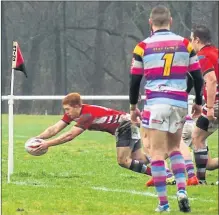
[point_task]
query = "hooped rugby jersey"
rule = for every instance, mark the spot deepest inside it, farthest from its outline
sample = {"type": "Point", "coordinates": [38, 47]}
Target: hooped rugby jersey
{"type": "Point", "coordinates": [164, 59]}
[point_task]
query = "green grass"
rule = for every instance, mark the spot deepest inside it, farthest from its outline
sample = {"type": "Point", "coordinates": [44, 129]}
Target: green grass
{"type": "Point", "coordinates": [68, 179]}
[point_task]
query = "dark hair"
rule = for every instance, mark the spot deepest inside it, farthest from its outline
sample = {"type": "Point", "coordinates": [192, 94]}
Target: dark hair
{"type": "Point", "coordinates": [160, 16]}
{"type": "Point", "coordinates": [202, 32]}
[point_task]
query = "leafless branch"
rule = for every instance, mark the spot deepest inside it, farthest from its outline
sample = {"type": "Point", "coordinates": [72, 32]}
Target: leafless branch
{"type": "Point", "coordinates": [180, 17]}
{"type": "Point", "coordinates": [108, 31]}
{"type": "Point", "coordinates": [88, 57]}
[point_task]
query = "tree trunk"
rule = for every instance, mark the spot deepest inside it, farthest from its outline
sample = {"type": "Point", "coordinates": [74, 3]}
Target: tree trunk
{"type": "Point", "coordinates": [98, 79]}
{"type": "Point", "coordinates": [4, 59]}
{"type": "Point", "coordinates": [188, 18]}
{"type": "Point", "coordinates": [214, 24]}
{"type": "Point", "coordinates": [125, 64]}
{"type": "Point", "coordinates": [65, 69]}
{"type": "Point", "coordinates": [32, 70]}
{"type": "Point", "coordinates": [58, 73]}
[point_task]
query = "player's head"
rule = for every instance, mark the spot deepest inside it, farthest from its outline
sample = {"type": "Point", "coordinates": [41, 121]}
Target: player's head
{"type": "Point", "coordinates": [160, 18]}
{"type": "Point", "coordinates": [200, 36]}
{"type": "Point", "coordinates": [72, 104]}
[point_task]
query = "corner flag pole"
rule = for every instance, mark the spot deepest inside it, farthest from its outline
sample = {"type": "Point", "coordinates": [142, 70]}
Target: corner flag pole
{"type": "Point", "coordinates": [17, 64]}
{"type": "Point", "coordinates": [11, 116]}
{"type": "Point", "coordinates": [11, 129]}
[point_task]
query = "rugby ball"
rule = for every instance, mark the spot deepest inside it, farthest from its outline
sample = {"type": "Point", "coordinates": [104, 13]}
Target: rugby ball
{"type": "Point", "coordinates": [31, 145]}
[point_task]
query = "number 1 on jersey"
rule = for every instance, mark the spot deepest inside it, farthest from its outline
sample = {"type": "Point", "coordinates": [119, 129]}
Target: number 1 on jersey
{"type": "Point", "coordinates": [168, 57]}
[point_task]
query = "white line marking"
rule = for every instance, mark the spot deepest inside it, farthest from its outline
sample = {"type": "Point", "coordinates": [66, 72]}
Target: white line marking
{"type": "Point", "coordinates": [21, 136]}
{"type": "Point", "coordinates": [32, 183]}
{"type": "Point", "coordinates": [18, 136]}
{"type": "Point", "coordinates": [133, 192]}
{"type": "Point", "coordinates": [143, 193]}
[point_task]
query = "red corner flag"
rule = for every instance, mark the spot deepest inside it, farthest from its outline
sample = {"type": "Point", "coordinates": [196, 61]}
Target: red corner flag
{"type": "Point", "coordinates": [17, 59]}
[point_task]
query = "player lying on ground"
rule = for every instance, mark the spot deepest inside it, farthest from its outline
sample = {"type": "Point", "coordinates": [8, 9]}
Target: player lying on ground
{"type": "Point", "coordinates": [207, 123]}
{"type": "Point", "coordinates": [96, 118]}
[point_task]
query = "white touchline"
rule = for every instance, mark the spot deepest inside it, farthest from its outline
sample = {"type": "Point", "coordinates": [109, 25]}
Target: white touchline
{"type": "Point", "coordinates": [143, 193]}
{"type": "Point", "coordinates": [21, 136]}
{"type": "Point", "coordinates": [133, 192]}
{"type": "Point", "coordinates": [31, 183]}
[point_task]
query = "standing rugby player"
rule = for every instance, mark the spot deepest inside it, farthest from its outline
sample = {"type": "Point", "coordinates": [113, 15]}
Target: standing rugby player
{"type": "Point", "coordinates": [164, 59]}
{"type": "Point", "coordinates": [207, 123]}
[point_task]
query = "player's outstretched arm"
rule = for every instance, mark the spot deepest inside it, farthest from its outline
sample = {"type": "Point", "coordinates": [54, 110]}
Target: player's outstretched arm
{"type": "Point", "coordinates": [52, 130]}
{"type": "Point", "coordinates": [63, 138]}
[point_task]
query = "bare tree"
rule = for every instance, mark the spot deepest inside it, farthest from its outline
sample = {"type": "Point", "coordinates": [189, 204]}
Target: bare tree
{"type": "Point", "coordinates": [214, 22]}
{"type": "Point", "coordinates": [98, 81]}
{"type": "Point", "coordinates": [84, 46]}
{"type": "Point", "coordinates": [58, 72]}
{"type": "Point", "coordinates": [4, 55]}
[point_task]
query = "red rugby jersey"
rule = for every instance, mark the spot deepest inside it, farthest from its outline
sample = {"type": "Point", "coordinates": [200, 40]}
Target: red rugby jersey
{"type": "Point", "coordinates": [208, 58]}
{"type": "Point", "coordinates": [98, 118]}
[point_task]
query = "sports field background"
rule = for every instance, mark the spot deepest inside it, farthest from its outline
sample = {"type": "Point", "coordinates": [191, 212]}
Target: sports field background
{"type": "Point", "coordinates": [82, 177]}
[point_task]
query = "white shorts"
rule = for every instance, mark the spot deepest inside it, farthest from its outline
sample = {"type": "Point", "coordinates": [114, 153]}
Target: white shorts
{"type": "Point", "coordinates": [163, 117]}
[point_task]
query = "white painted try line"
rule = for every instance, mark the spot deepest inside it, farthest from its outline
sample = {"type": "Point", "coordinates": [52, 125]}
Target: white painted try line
{"type": "Point", "coordinates": [31, 183]}
{"type": "Point", "coordinates": [133, 192]}
{"type": "Point", "coordinates": [22, 136]}
{"type": "Point", "coordinates": [18, 136]}
{"type": "Point", "coordinates": [143, 193]}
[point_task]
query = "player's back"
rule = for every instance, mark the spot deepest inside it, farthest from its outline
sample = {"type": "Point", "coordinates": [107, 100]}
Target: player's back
{"type": "Point", "coordinates": [98, 118]}
{"type": "Point", "coordinates": [211, 53]}
{"type": "Point", "coordinates": [208, 58]}
{"type": "Point", "coordinates": [167, 60]}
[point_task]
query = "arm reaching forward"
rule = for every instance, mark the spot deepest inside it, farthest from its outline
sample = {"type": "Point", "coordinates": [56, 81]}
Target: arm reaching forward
{"type": "Point", "coordinates": [63, 138]}
{"type": "Point", "coordinates": [53, 130]}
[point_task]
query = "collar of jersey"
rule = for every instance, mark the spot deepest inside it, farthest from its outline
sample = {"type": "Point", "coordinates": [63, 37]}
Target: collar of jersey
{"type": "Point", "coordinates": [207, 45]}
{"type": "Point", "coordinates": [162, 31]}
{"type": "Point", "coordinates": [82, 107]}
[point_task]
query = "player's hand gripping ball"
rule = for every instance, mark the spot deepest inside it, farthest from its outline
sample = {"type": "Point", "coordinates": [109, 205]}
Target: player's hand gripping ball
{"type": "Point", "coordinates": [31, 146]}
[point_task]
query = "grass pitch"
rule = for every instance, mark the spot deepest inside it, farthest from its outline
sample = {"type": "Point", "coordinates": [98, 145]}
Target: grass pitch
{"type": "Point", "coordinates": [82, 177]}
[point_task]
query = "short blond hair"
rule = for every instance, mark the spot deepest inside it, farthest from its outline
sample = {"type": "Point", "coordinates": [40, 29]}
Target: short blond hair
{"type": "Point", "coordinates": [72, 99]}
{"type": "Point", "coordinates": [160, 16]}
